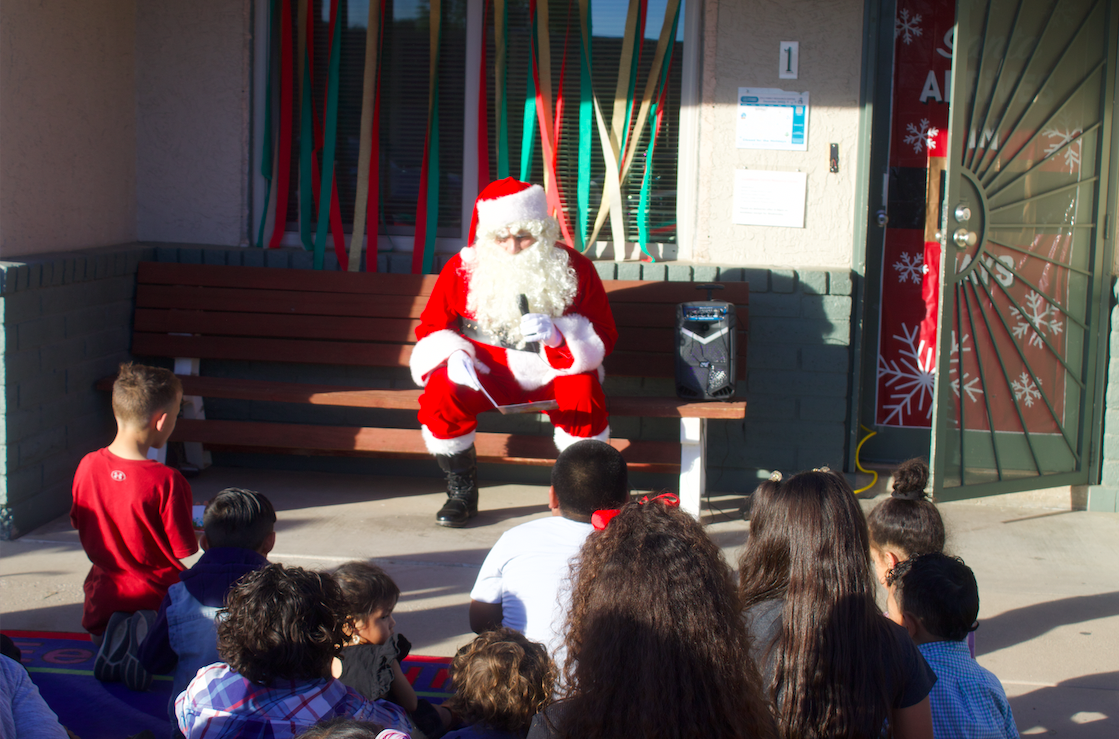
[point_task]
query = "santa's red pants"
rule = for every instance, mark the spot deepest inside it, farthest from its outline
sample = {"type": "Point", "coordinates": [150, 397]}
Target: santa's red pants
{"type": "Point", "coordinates": [450, 411]}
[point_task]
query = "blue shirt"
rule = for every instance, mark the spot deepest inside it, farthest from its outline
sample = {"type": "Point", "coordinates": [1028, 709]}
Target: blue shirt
{"type": "Point", "coordinates": [968, 701]}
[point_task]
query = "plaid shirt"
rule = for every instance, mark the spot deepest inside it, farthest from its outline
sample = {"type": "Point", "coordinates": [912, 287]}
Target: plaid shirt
{"type": "Point", "coordinates": [220, 704]}
{"type": "Point", "coordinates": [968, 701]}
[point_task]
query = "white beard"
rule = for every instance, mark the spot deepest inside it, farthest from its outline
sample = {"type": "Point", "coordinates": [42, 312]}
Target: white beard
{"type": "Point", "coordinates": [542, 273]}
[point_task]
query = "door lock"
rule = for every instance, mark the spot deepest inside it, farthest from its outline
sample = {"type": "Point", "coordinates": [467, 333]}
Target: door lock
{"type": "Point", "coordinates": [882, 218]}
{"type": "Point", "coordinates": [962, 213]}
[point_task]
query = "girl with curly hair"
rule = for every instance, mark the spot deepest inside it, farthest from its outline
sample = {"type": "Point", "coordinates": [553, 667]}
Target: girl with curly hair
{"type": "Point", "coordinates": [277, 635]}
{"type": "Point", "coordinates": [834, 666]}
{"type": "Point", "coordinates": [502, 679]}
{"type": "Point", "coordinates": [656, 644]}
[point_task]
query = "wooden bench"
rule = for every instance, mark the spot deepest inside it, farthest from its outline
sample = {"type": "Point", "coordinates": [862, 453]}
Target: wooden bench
{"type": "Point", "coordinates": [204, 312]}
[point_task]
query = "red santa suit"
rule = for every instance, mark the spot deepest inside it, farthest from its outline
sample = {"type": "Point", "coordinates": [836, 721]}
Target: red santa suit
{"type": "Point", "coordinates": [570, 373]}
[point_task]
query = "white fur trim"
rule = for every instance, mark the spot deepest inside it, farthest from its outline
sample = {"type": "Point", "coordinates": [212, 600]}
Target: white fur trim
{"type": "Point", "coordinates": [530, 204]}
{"type": "Point", "coordinates": [587, 349]}
{"type": "Point", "coordinates": [433, 350]}
{"type": "Point", "coordinates": [446, 447]}
{"type": "Point", "coordinates": [531, 370]}
{"type": "Point", "coordinates": [564, 439]}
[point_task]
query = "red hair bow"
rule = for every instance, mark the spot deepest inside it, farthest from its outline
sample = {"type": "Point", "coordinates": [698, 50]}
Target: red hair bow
{"type": "Point", "coordinates": [600, 519]}
{"type": "Point", "coordinates": [669, 499]}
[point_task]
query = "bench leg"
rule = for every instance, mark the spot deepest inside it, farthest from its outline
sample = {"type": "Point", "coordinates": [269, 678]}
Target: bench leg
{"type": "Point", "coordinates": [693, 463]}
{"type": "Point", "coordinates": [193, 408]}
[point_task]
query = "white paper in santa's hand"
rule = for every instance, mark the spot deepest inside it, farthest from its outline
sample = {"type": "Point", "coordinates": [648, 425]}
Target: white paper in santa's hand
{"type": "Point", "coordinates": [536, 406]}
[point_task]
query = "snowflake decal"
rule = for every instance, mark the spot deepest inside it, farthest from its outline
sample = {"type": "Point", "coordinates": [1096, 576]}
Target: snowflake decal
{"type": "Point", "coordinates": [921, 137]}
{"type": "Point", "coordinates": [907, 27]}
{"type": "Point", "coordinates": [1038, 319]}
{"type": "Point", "coordinates": [1025, 390]}
{"type": "Point", "coordinates": [910, 267]}
{"type": "Point", "coordinates": [1061, 138]}
{"type": "Point", "coordinates": [913, 377]}
{"type": "Point", "coordinates": [968, 384]}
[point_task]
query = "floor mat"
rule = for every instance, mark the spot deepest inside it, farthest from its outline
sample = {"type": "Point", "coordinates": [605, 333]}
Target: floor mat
{"type": "Point", "coordinates": [61, 665]}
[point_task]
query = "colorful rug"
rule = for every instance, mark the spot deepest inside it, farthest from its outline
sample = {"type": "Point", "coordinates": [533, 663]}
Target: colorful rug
{"type": "Point", "coordinates": [61, 665]}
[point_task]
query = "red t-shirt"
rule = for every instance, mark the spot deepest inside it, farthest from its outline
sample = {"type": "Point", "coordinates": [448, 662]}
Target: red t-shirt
{"type": "Point", "coordinates": [134, 521]}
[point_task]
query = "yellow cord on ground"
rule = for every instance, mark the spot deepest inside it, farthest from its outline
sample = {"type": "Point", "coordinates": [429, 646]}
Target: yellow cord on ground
{"type": "Point", "coordinates": [859, 464]}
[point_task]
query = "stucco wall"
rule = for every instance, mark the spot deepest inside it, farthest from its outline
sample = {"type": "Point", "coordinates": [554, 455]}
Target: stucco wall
{"type": "Point", "coordinates": [741, 44]}
{"type": "Point", "coordinates": [67, 125]}
{"type": "Point", "coordinates": [192, 120]}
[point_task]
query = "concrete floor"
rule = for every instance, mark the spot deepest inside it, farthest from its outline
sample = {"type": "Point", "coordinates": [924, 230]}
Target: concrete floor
{"type": "Point", "coordinates": [1049, 579]}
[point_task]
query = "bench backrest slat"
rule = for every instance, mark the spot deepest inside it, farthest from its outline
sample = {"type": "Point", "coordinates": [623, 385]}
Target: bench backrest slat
{"type": "Point", "coordinates": [270, 278]}
{"type": "Point", "coordinates": [363, 319]}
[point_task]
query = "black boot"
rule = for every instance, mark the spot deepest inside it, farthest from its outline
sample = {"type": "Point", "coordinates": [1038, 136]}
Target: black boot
{"type": "Point", "coordinates": [462, 488]}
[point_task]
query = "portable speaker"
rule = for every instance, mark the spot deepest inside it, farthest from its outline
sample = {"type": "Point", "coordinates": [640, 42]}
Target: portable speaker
{"type": "Point", "coordinates": [705, 350]}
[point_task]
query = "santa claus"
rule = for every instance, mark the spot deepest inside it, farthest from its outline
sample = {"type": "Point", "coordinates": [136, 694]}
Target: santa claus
{"type": "Point", "coordinates": [516, 318]}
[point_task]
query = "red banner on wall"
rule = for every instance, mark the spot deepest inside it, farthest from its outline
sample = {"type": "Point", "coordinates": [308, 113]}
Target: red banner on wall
{"type": "Point", "coordinates": [907, 328]}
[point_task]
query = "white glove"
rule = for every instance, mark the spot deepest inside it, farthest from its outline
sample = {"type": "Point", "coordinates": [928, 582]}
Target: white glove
{"type": "Point", "coordinates": [540, 327]}
{"type": "Point", "coordinates": [460, 370]}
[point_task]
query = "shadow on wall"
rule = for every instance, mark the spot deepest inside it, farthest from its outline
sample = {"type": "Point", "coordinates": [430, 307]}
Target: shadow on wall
{"type": "Point", "coordinates": [798, 379]}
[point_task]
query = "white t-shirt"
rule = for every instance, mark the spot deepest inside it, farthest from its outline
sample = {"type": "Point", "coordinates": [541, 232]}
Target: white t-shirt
{"type": "Point", "coordinates": [528, 573]}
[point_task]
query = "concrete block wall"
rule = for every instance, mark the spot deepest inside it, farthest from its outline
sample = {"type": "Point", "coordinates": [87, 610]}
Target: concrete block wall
{"type": "Point", "coordinates": [66, 322]}
{"type": "Point", "coordinates": [1105, 496]}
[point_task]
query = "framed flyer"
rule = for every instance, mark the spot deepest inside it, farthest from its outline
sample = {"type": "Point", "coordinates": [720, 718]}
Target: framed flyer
{"type": "Point", "coordinates": [769, 118]}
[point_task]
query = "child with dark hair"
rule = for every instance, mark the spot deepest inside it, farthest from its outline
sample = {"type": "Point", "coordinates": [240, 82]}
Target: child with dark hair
{"type": "Point", "coordinates": [936, 599]}
{"type": "Point", "coordinates": [522, 583]}
{"type": "Point", "coordinates": [370, 661]}
{"type": "Point", "coordinates": [832, 664]}
{"type": "Point", "coordinates": [502, 680]}
{"type": "Point", "coordinates": [239, 532]}
{"type": "Point", "coordinates": [278, 633]}
{"type": "Point", "coordinates": [133, 517]}
{"type": "Point", "coordinates": [656, 646]}
{"type": "Point", "coordinates": [906, 524]}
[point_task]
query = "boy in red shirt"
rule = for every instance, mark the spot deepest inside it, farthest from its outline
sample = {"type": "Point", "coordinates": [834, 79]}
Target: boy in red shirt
{"type": "Point", "coordinates": [133, 515]}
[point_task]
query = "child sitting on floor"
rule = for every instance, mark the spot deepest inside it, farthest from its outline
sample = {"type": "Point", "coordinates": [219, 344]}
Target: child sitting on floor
{"type": "Point", "coordinates": [239, 532]}
{"type": "Point", "coordinates": [907, 523]}
{"type": "Point", "coordinates": [502, 679]}
{"type": "Point", "coordinates": [133, 517]}
{"type": "Point", "coordinates": [370, 661]}
{"type": "Point", "coordinates": [936, 599]}
{"type": "Point", "coordinates": [277, 636]}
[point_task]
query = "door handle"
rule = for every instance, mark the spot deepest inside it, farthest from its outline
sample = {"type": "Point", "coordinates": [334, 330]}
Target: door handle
{"type": "Point", "coordinates": [964, 238]}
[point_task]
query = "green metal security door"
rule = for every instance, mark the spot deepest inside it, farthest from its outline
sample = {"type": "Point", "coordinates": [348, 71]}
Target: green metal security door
{"type": "Point", "coordinates": [1024, 277]}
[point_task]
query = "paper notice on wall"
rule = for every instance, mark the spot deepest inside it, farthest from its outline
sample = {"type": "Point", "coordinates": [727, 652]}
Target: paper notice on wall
{"type": "Point", "coordinates": [769, 198]}
{"type": "Point", "coordinates": [769, 118]}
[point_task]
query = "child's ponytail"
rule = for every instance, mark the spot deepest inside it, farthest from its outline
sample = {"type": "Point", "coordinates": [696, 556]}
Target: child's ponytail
{"type": "Point", "coordinates": [908, 522]}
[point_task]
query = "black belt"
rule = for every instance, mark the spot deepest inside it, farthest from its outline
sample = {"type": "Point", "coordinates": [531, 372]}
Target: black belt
{"type": "Point", "coordinates": [473, 331]}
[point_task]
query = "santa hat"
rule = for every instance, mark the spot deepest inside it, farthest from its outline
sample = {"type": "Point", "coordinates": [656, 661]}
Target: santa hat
{"type": "Point", "coordinates": [507, 201]}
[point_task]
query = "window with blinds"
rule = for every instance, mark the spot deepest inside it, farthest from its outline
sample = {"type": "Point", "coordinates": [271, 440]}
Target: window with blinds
{"type": "Point", "coordinates": [608, 18]}
{"type": "Point", "coordinates": [404, 93]}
